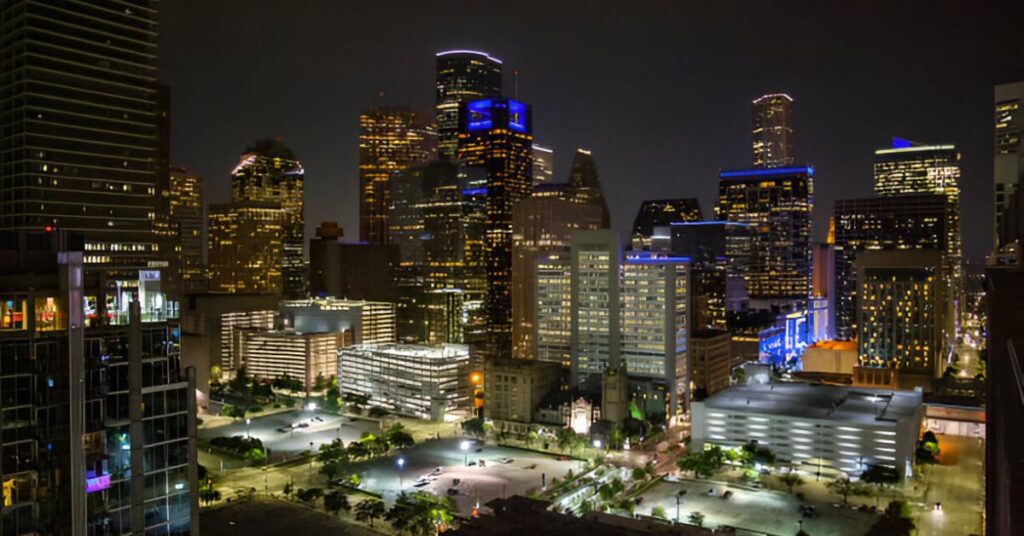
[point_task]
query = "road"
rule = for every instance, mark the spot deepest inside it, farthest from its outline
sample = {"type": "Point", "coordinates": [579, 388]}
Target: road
{"type": "Point", "coordinates": [956, 483]}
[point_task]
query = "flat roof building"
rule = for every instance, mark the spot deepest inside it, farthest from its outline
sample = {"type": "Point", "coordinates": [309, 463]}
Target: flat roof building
{"type": "Point", "coordinates": [826, 429]}
{"type": "Point", "coordinates": [303, 356]}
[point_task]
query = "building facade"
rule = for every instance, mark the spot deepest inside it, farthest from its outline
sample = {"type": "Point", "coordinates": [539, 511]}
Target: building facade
{"type": "Point", "coordinates": [1009, 158]}
{"type": "Point", "coordinates": [710, 361]}
{"type": "Point", "coordinates": [514, 388]}
{"type": "Point", "coordinates": [462, 75]}
{"type": "Point", "coordinates": [307, 357]}
{"type": "Point", "coordinates": [585, 183]}
{"type": "Point", "coordinates": [594, 304]}
{"type": "Point", "coordinates": [773, 131]}
{"type": "Point", "coordinates": [543, 164]}
{"type": "Point", "coordinates": [246, 248]}
{"type": "Point", "coordinates": [184, 203]}
{"type": "Point", "coordinates": [661, 213]}
{"type": "Point", "coordinates": [552, 339]}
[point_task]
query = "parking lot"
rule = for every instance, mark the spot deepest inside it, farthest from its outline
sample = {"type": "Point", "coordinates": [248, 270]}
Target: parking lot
{"type": "Point", "coordinates": [760, 511]}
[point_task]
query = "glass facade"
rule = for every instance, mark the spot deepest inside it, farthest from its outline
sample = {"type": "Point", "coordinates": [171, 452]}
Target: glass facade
{"type": "Point", "coordinates": [773, 130]}
{"type": "Point", "coordinates": [462, 75]}
{"type": "Point", "coordinates": [246, 248]}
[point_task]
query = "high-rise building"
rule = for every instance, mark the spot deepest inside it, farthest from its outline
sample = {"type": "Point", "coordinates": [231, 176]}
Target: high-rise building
{"type": "Point", "coordinates": [78, 126]}
{"type": "Point", "coordinates": [710, 358]}
{"type": "Point", "coordinates": [880, 223]}
{"type": "Point", "coordinates": [914, 168]}
{"type": "Point", "coordinates": [269, 172]}
{"type": "Point", "coordinates": [245, 247]}
{"type": "Point", "coordinates": [552, 338]}
{"type": "Point", "coordinates": [496, 134]}
{"type": "Point", "coordinates": [773, 130]}
{"type": "Point", "coordinates": [543, 165]}
{"type": "Point", "coordinates": [661, 213]}
{"type": "Point", "coordinates": [1009, 158]}
{"type": "Point", "coordinates": [777, 205]}
{"type": "Point", "coordinates": [594, 304]}
{"type": "Point", "coordinates": [655, 328]}
{"type": "Point", "coordinates": [716, 280]}
{"type": "Point", "coordinates": [586, 183]}
{"type": "Point", "coordinates": [84, 419]}
{"type": "Point", "coordinates": [823, 290]}
{"type": "Point", "coordinates": [541, 225]}
{"type": "Point", "coordinates": [183, 202]}
{"type": "Point", "coordinates": [390, 140]}
{"type": "Point", "coordinates": [902, 320]}
{"type": "Point", "coordinates": [358, 271]}
{"type": "Point", "coordinates": [462, 75]}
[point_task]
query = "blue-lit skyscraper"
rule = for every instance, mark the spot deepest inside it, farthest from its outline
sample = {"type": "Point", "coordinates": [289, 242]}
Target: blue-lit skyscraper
{"type": "Point", "coordinates": [462, 75]}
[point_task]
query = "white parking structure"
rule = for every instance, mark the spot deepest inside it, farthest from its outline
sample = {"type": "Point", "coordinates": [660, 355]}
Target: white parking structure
{"type": "Point", "coordinates": [825, 429]}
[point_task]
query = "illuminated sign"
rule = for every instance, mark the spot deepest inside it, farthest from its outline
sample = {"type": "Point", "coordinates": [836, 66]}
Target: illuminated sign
{"type": "Point", "coordinates": [517, 116]}
{"type": "Point", "coordinates": [479, 115]}
{"type": "Point", "coordinates": [149, 275]}
{"type": "Point", "coordinates": [98, 483]}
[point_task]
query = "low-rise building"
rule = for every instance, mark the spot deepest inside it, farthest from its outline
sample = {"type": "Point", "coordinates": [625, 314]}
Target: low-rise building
{"type": "Point", "coordinates": [514, 388]}
{"type": "Point", "coordinates": [710, 361]}
{"type": "Point", "coordinates": [830, 357]}
{"type": "Point", "coordinates": [405, 379]}
{"type": "Point", "coordinates": [819, 429]}
{"type": "Point", "coordinates": [303, 356]}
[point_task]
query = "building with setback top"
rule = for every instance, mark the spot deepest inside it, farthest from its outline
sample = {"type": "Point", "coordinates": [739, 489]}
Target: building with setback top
{"type": "Point", "coordinates": [462, 75]}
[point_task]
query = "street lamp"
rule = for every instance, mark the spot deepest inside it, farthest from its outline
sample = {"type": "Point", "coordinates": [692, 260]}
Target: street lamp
{"type": "Point", "coordinates": [247, 421]}
{"type": "Point", "coordinates": [465, 452]}
{"type": "Point", "coordinates": [679, 495]}
{"type": "Point", "coordinates": [401, 466]}
{"type": "Point", "coordinates": [311, 462]}
{"type": "Point", "coordinates": [597, 444]}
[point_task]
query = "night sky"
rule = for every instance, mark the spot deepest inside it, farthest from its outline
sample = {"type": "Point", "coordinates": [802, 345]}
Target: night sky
{"type": "Point", "coordinates": [662, 94]}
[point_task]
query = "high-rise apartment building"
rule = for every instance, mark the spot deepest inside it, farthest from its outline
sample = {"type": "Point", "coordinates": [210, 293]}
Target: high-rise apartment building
{"type": "Point", "coordinates": [543, 165]}
{"type": "Point", "coordinates": [594, 303]}
{"type": "Point", "coordinates": [390, 140]}
{"type": "Point", "coordinates": [902, 318]}
{"type": "Point", "coordinates": [78, 126]}
{"type": "Point", "coordinates": [661, 213]}
{"type": "Point", "coordinates": [541, 225]}
{"type": "Point", "coordinates": [1009, 156]}
{"type": "Point", "coordinates": [776, 204]}
{"type": "Point", "coordinates": [245, 247]}
{"type": "Point", "coordinates": [182, 204]}
{"type": "Point", "coordinates": [586, 183]}
{"type": "Point", "coordinates": [496, 134]}
{"type": "Point", "coordinates": [880, 223]}
{"type": "Point", "coordinates": [462, 75]}
{"type": "Point", "coordinates": [773, 130]}
{"type": "Point", "coordinates": [268, 172]}
{"type": "Point", "coordinates": [913, 168]}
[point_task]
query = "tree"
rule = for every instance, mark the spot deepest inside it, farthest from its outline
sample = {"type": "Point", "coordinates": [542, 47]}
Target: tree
{"type": "Point", "coordinates": [880, 476]}
{"type": "Point", "coordinates": [419, 514]}
{"type": "Point", "coordinates": [335, 501]}
{"type": "Point", "coordinates": [616, 437]}
{"type": "Point", "coordinates": [927, 448]}
{"type": "Point", "coordinates": [754, 454]}
{"type": "Point", "coordinates": [309, 495]}
{"type": "Point", "coordinates": [473, 427]}
{"type": "Point", "coordinates": [564, 438]}
{"type": "Point", "coordinates": [703, 464]}
{"type": "Point", "coordinates": [377, 412]}
{"type": "Point", "coordinates": [639, 473]}
{"type": "Point", "coordinates": [397, 436]}
{"type": "Point", "coordinates": [357, 449]}
{"type": "Point", "coordinates": [240, 383]}
{"type": "Point", "coordinates": [659, 512]}
{"type": "Point", "coordinates": [332, 399]}
{"type": "Point", "coordinates": [844, 487]}
{"type": "Point", "coordinates": [369, 510]}
{"type": "Point", "coordinates": [531, 437]}
{"type": "Point", "coordinates": [255, 455]}
{"type": "Point", "coordinates": [696, 518]}
{"type": "Point", "coordinates": [791, 480]}
{"type": "Point", "coordinates": [894, 521]}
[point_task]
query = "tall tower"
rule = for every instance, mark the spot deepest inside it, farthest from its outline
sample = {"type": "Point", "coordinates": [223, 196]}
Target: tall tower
{"type": "Point", "coordinates": [78, 126]}
{"type": "Point", "coordinates": [1009, 158]}
{"type": "Point", "coordinates": [586, 184]}
{"type": "Point", "coordinates": [915, 168]}
{"type": "Point", "coordinates": [390, 140]}
{"type": "Point", "coordinates": [543, 165]}
{"type": "Point", "coordinates": [773, 129]}
{"type": "Point", "coordinates": [268, 172]}
{"type": "Point", "coordinates": [462, 75]}
{"type": "Point", "coordinates": [497, 135]}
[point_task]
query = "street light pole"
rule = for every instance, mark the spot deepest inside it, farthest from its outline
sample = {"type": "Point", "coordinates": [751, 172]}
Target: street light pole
{"type": "Point", "coordinates": [401, 466]}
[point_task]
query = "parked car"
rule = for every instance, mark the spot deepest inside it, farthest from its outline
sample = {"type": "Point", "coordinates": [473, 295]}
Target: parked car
{"type": "Point", "coordinates": [711, 492]}
{"type": "Point", "coordinates": [505, 460]}
{"type": "Point", "coordinates": [420, 484]}
{"type": "Point", "coordinates": [726, 495]}
{"type": "Point", "coordinates": [284, 429]}
{"type": "Point", "coordinates": [456, 481]}
{"type": "Point", "coordinates": [471, 464]}
{"type": "Point", "coordinates": [452, 491]}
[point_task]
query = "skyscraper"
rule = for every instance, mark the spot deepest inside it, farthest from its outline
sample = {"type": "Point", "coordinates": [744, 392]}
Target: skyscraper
{"type": "Point", "coordinates": [772, 131]}
{"type": "Point", "coordinates": [390, 140]}
{"type": "Point", "coordinates": [497, 135]}
{"type": "Point", "coordinates": [777, 205]}
{"type": "Point", "coordinates": [541, 225]}
{"type": "Point", "coordinates": [462, 75]}
{"type": "Point", "coordinates": [880, 223]}
{"type": "Point", "coordinates": [184, 204]}
{"type": "Point", "coordinates": [78, 126]}
{"type": "Point", "coordinates": [268, 172]}
{"type": "Point", "coordinates": [543, 165]}
{"type": "Point", "coordinates": [245, 247]}
{"type": "Point", "coordinates": [595, 280]}
{"type": "Point", "coordinates": [662, 213]}
{"type": "Point", "coordinates": [586, 184]}
{"type": "Point", "coordinates": [1009, 158]}
{"type": "Point", "coordinates": [914, 168]}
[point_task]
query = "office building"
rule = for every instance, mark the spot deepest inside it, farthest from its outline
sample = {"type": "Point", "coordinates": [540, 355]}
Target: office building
{"type": "Point", "coordinates": [78, 127]}
{"type": "Point", "coordinates": [541, 225]}
{"type": "Point", "coordinates": [93, 442]}
{"type": "Point", "coordinates": [1004, 468]}
{"type": "Point", "coordinates": [269, 172]}
{"type": "Point", "coordinates": [409, 380]}
{"type": "Point", "coordinates": [232, 325]}
{"type": "Point", "coordinates": [357, 271]}
{"type": "Point", "coordinates": [654, 330]}
{"type": "Point", "coordinates": [913, 168]}
{"type": "Point", "coordinates": [552, 339]}
{"type": "Point", "coordinates": [390, 140]}
{"type": "Point", "coordinates": [710, 362]}
{"type": "Point", "coordinates": [514, 389]}
{"type": "Point", "coordinates": [773, 131]}
{"type": "Point", "coordinates": [307, 357]}
{"type": "Point", "coordinates": [245, 247]}
{"type": "Point", "coordinates": [823, 288]}
{"type": "Point", "coordinates": [497, 135]}
{"type": "Point", "coordinates": [543, 165]}
{"type": "Point", "coordinates": [184, 202]}
{"type": "Point", "coordinates": [777, 204]}
{"type": "Point", "coordinates": [1009, 158]}
{"type": "Point", "coordinates": [815, 428]}
{"type": "Point", "coordinates": [903, 321]}
{"type": "Point", "coordinates": [462, 75]}
{"type": "Point", "coordinates": [594, 304]}
{"type": "Point", "coordinates": [585, 183]}
{"type": "Point", "coordinates": [368, 322]}
{"type": "Point", "coordinates": [904, 222]}
{"type": "Point", "coordinates": [719, 253]}
{"type": "Point", "coordinates": [661, 213]}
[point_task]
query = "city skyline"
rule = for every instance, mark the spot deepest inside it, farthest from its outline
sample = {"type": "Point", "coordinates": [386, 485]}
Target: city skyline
{"type": "Point", "coordinates": [674, 150]}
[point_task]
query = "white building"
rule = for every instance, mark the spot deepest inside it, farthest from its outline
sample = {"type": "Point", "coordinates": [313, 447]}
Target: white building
{"type": "Point", "coordinates": [553, 327]}
{"type": "Point", "coordinates": [412, 380]}
{"type": "Point", "coordinates": [302, 356]}
{"type": "Point", "coordinates": [825, 429]}
{"type": "Point", "coordinates": [595, 303]}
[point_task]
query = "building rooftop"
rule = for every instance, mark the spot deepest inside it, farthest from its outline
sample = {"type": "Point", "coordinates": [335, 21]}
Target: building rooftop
{"type": "Point", "coordinates": [818, 401]}
{"type": "Point", "coordinates": [835, 345]}
{"type": "Point", "coordinates": [444, 351]}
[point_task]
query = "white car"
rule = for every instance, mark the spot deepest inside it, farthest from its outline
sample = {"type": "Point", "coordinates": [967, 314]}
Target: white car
{"type": "Point", "coordinates": [505, 461]}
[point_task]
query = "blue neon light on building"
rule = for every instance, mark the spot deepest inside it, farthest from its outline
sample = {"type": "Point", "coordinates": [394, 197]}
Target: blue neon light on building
{"type": "Point", "coordinates": [768, 172]}
{"type": "Point", "coordinates": [475, 191]}
{"type": "Point", "coordinates": [516, 116]}
{"type": "Point", "coordinates": [479, 114]}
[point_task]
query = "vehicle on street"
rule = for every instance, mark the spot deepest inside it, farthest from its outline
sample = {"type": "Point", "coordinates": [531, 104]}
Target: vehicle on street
{"type": "Point", "coordinates": [471, 464]}
{"type": "Point", "coordinates": [420, 484]}
{"type": "Point", "coordinates": [726, 495]}
{"type": "Point", "coordinates": [505, 460]}
{"type": "Point", "coordinates": [284, 429]}
{"type": "Point", "coordinates": [452, 491]}
{"type": "Point", "coordinates": [711, 492]}
{"type": "Point", "coordinates": [302, 425]}
{"type": "Point", "coordinates": [456, 481]}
